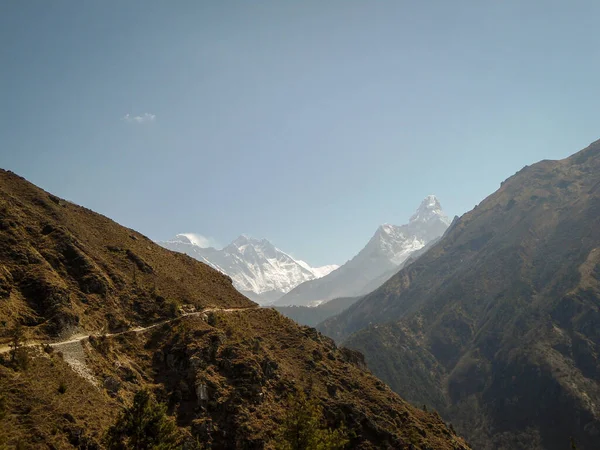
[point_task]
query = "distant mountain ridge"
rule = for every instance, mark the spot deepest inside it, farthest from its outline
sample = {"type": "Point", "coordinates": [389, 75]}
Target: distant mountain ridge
{"type": "Point", "coordinates": [313, 316]}
{"type": "Point", "coordinates": [258, 269]}
{"type": "Point", "coordinates": [382, 257]}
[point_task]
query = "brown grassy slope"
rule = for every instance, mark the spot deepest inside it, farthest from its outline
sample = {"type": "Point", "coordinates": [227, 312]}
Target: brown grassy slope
{"type": "Point", "coordinates": [250, 362]}
{"type": "Point", "coordinates": [36, 415]}
{"type": "Point", "coordinates": [63, 266]}
{"type": "Point", "coordinates": [498, 325]}
{"type": "Point", "coordinates": [66, 267]}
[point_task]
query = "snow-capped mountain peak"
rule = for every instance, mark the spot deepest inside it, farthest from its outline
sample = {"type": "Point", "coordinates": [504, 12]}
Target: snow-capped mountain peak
{"type": "Point", "coordinates": [183, 238]}
{"type": "Point", "coordinates": [392, 243]}
{"type": "Point", "coordinates": [258, 268]}
{"type": "Point", "coordinates": [193, 238]}
{"type": "Point", "coordinates": [318, 271]}
{"type": "Point", "coordinates": [384, 254]}
{"type": "Point", "coordinates": [429, 209]}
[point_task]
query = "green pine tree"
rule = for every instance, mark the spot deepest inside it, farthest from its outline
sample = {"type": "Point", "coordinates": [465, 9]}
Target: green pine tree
{"type": "Point", "coordinates": [302, 428]}
{"type": "Point", "coordinates": [144, 426]}
{"type": "Point", "coordinates": [17, 338]}
{"type": "Point", "coordinates": [18, 353]}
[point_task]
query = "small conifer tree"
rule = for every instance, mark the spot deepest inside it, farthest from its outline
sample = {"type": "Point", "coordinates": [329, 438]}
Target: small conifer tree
{"type": "Point", "coordinates": [18, 353]}
{"type": "Point", "coordinates": [17, 338]}
{"type": "Point", "coordinates": [143, 426]}
{"type": "Point", "coordinates": [302, 428]}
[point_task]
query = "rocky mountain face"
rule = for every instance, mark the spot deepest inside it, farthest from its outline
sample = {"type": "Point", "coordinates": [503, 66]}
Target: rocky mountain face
{"type": "Point", "coordinates": [384, 255]}
{"type": "Point", "coordinates": [124, 314]}
{"type": "Point", "coordinates": [259, 270]}
{"type": "Point", "coordinates": [497, 326]}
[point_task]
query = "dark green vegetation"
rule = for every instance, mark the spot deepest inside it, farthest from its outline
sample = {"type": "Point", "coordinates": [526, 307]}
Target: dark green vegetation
{"type": "Point", "coordinates": [313, 316]}
{"type": "Point", "coordinates": [497, 326]}
{"type": "Point", "coordinates": [144, 425]}
{"type": "Point", "coordinates": [225, 372]}
{"type": "Point", "coordinates": [302, 427]}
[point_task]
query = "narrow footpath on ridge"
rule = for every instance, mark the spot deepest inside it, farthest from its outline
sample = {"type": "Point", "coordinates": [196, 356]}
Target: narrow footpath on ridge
{"type": "Point", "coordinates": [81, 337]}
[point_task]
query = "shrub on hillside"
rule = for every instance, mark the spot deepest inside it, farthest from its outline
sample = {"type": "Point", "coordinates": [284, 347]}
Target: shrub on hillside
{"type": "Point", "coordinates": [303, 427]}
{"type": "Point", "coordinates": [145, 425]}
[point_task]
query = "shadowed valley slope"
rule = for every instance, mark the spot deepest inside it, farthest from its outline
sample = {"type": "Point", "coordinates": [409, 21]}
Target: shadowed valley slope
{"type": "Point", "coordinates": [498, 324]}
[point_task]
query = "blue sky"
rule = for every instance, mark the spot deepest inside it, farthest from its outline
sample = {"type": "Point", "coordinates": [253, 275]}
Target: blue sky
{"type": "Point", "coordinates": [308, 123]}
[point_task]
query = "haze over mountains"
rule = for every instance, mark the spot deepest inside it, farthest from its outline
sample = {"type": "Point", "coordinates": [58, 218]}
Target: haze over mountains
{"type": "Point", "coordinates": [384, 254]}
{"type": "Point", "coordinates": [497, 326]}
{"type": "Point", "coordinates": [268, 275]}
{"type": "Point", "coordinates": [258, 269]}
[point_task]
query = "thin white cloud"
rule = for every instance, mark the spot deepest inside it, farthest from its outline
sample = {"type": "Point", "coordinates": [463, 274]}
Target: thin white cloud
{"type": "Point", "coordinates": [144, 118]}
{"type": "Point", "coordinates": [201, 241]}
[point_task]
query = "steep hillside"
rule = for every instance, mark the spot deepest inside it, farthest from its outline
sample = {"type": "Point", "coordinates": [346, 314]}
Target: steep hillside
{"type": "Point", "coordinates": [384, 254]}
{"type": "Point", "coordinates": [64, 267]}
{"type": "Point", "coordinates": [258, 269]}
{"type": "Point", "coordinates": [498, 324]}
{"type": "Point", "coordinates": [224, 367]}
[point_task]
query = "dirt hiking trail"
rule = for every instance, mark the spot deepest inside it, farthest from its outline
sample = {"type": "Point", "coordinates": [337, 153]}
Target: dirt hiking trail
{"type": "Point", "coordinates": [78, 338]}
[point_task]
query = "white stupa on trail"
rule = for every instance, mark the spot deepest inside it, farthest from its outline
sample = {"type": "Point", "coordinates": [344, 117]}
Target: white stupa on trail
{"type": "Point", "coordinates": [383, 256]}
{"type": "Point", "coordinates": [258, 269]}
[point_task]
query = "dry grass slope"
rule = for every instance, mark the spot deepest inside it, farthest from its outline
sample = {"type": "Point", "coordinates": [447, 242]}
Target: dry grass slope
{"type": "Point", "coordinates": [64, 267]}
